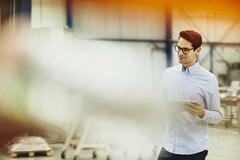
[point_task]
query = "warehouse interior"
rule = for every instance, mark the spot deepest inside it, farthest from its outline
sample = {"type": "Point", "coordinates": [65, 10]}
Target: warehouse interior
{"type": "Point", "coordinates": [85, 75]}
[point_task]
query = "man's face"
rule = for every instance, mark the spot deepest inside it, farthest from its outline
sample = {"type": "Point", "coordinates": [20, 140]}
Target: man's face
{"type": "Point", "coordinates": [186, 54]}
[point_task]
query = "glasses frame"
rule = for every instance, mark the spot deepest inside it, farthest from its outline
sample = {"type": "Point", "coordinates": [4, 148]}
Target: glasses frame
{"type": "Point", "coordinates": [184, 50]}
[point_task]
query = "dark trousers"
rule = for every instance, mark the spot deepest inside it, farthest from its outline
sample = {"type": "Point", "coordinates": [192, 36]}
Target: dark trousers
{"type": "Point", "coordinates": [165, 155]}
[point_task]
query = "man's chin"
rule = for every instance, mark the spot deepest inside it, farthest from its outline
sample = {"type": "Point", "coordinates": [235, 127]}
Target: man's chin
{"type": "Point", "coordinates": [181, 61]}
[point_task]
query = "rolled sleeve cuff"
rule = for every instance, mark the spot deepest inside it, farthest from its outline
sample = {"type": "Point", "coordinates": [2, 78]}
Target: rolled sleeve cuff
{"type": "Point", "coordinates": [213, 117]}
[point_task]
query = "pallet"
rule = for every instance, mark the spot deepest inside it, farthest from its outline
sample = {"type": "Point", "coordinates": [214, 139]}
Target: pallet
{"type": "Point", "coordinates": [31, 154]}
{"type": "Point", "coordinates": [29, 147]}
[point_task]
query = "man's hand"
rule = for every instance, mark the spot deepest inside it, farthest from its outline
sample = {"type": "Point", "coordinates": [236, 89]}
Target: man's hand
{"type": "Point", "coordinates": [195, 109]}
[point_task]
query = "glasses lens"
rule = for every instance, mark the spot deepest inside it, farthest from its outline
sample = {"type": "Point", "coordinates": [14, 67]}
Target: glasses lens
{"type": "Point", "coordinates": [177, 49]}
{"type": "Point", "coordinates": [185, 50]}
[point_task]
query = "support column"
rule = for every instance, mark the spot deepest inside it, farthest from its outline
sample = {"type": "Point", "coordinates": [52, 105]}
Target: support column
{"type": "Point", "coordinates": [169, 36]}
{"type": "Point", "coordinates": [211, 57]}
{"type": "Point", "coordinates": [69, 13]}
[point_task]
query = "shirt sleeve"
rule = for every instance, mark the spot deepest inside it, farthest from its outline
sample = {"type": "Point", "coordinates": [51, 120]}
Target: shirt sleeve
{"type": "Point", "coordinates": [213, 113]}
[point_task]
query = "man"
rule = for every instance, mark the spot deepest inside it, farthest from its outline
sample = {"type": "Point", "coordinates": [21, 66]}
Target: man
{"type": "Point", "coordinates": [187, 132]}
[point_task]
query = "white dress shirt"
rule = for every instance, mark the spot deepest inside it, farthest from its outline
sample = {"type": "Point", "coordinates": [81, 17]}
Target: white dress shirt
{"type": "Point", "coordinates": [187, 134]}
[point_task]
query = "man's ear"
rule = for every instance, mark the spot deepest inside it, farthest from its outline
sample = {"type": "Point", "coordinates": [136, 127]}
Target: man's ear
{"type": "Point", "coordinates": [198, 49]}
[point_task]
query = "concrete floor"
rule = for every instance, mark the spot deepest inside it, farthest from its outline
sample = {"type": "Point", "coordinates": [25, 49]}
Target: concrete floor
{"type": "Point", "coordinates": [224, 145]}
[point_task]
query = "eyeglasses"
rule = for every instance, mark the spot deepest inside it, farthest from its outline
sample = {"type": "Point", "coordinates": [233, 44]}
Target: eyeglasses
{"type": "Point", "coordinates": [184, 50]}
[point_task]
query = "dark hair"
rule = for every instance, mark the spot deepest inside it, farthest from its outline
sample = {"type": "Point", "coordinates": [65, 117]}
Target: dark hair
{"type": "Point", "coordinates": [194, 37]}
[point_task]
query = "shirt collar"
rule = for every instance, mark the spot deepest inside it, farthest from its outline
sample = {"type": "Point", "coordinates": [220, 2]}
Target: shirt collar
{"type": "Point", "coordinates": [192, 68]}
